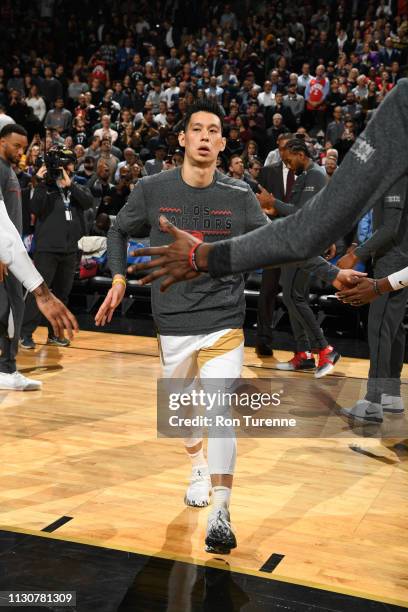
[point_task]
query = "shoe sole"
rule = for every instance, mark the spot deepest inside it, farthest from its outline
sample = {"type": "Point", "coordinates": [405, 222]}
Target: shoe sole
{"type": "Point", "coordinates": [57, 344]}
{"type": "Point", "coordinates": [220, 548]}
{"type": "Point", "coordinates": [27, 348]}
{"type": "Point", "coordinates": [283, 369]}
{"type": "Point", "coordinates": [194, 505]}
{"type": "Point", "coordinates": [327, 368]}
{"type": "Point", "coordinates": [361, 419]}
{"type": "Point", "coordinates": [392, 411]}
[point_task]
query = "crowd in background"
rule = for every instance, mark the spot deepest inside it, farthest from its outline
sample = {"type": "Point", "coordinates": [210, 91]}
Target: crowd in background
{"type": "Point", "coordinates": [113, 85]}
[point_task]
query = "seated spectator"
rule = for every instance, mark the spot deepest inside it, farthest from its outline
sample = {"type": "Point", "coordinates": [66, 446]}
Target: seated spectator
{"type": "Point", "coordinates": [275, 131]}
{"type": "Point", "coordinates": [36, 102]}
{"type": "Point", "coordinates": [59, 118]}
{"type": "Point", "coordinates": [335, 128]}
{"type": "Point", "coordinates": [330, 165]}
{"type": "Point", "coordinates": [76, 88]}
{"type": "Point", "coordinates": [234, 145]}
{"type": "Point", "coordinates": [266, 97]}
{"type": "Point", "coordinates": [87, 168]}
{"type": "Point", "coordinates": [296, 104]}
{"type": "Point", "coordinates": [106, 130]}
{"type": "Point", "coordinates": [130, 158]}
{"type": "Point", "coordinates": [254, 169]}
{"type": "Point", "coordinates": [250, 152]}
{"type": "Point", "coordinates": [107, 155]}
{"type": "Point", "coordinates": [154, 166]}
{"type": "Point", "coordinates": [94, 148]}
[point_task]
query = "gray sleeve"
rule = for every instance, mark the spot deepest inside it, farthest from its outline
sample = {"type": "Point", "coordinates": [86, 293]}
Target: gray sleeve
{"type": "Point", "coordinates": [393, 203]}
{"type": "Point", "coordinates": [285, 208]}
{"type": "Point", "coordinates": [131, 220]}
{"type": "Point", "coordinates": [254, 215]}
{"type": "Point", "coordinates": [320, 267]}
{"type": "Point", "coordinates": [375, 162]}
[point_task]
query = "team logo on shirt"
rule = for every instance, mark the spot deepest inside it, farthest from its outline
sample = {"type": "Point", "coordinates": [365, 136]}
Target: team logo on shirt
{"type": "Point", "coordinates": [362, 150]}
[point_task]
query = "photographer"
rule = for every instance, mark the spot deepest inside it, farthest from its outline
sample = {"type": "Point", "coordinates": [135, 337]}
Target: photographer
{"type": "Point", "coordinates": [58, 204]}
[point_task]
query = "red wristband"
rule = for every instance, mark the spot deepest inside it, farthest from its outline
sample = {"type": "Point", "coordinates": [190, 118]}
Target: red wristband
{"type": "Point", "coordinates": [192, 257]}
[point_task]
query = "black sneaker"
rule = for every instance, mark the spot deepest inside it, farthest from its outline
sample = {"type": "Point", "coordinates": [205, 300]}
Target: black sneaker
{"type": "Point", "coordinates": [263, 350]}
{"type": "Point", "coordinates": [54, 341]}
{"type": "Point", "coordinates": [220, 538]}
{"type": "Point", "coordinates": [26, 342]}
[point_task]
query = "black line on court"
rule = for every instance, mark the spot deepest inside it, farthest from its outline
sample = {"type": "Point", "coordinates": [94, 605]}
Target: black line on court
{"type": "Point", "coordinates": [271, 563]}
{"type": "Point", "coordinates": [57, 524]}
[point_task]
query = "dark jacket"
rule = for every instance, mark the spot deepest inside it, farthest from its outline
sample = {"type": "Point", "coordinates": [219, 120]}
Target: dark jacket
{"type": "Point", "coordinates": [53, 232]}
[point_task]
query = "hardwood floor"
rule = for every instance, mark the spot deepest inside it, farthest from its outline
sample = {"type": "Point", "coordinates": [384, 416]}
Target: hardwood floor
{"type": "Point", "coordinates": [86, 447]}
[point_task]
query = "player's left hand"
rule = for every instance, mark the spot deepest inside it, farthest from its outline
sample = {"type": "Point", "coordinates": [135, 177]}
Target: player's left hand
{"type": "Point", "coordinates": [347, 279]}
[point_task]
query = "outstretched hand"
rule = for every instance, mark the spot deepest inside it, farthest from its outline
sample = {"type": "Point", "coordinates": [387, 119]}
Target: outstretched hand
{"type": "Point", "coordinates": [111, 302]}
{"type": "Point", "coordinates": [55, 312]}
{"type": "Point", "coordinates": [171, 260]}
{"type": "Point", "coordinates": [347, 279]}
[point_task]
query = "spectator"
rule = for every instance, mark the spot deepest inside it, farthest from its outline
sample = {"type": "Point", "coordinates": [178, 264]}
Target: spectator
{"type": "Point", "coordinates": [106, 131]}
{"type": "Point", "coordinates": [59, 118]}
{"type": "Point", "coordinates": [51, 88]}
{"type": "Point", "coordinates": [4, 118]}
{"type": "Point", "coordinates": [107, 156]}
{"type": "Point", "coordinates": [36, 102]}
{"type": "Point", "coordinates": [154, 166]}
{"type": "Point", "coordinates": [335, 129]}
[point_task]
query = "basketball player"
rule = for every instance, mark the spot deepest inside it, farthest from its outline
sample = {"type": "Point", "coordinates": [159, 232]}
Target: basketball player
{"type": "Point", "coordinates": [386, 249]}
{"type": "Point", "coordinates": [14, 259]}
{"type": "Point", "coordinates": [375, 162]}
{"type": "Point", "coordinates": [200, 323]}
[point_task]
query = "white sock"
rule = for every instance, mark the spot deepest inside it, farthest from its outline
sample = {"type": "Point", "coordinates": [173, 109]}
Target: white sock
{"type": "Point", "coordinates": [221, 497]}
{"type": "Point", "coordinates": [198, 459]}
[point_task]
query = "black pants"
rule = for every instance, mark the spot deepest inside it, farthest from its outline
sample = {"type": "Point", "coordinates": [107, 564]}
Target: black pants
{"type": "Point", "coordinates": [58, 271]}
{"type": "Point", "coordinates": [308, 334]}
{"type": "Point", "coordinates": [266, 305]}
{"type": "Point", "coordinates": [11, 298]}
{"type": "Point", "coordinates": [386, 339]}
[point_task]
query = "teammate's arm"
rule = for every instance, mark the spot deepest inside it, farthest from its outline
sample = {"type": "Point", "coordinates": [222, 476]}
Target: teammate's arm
{"type": "Point", "coordinates": [14, 255]}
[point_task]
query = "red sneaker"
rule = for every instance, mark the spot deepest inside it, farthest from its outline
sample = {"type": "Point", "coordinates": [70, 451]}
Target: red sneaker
{"type": "Point", "coordinates": [300, 361]}
{"type": "Point", "coordinates": [328, 358]}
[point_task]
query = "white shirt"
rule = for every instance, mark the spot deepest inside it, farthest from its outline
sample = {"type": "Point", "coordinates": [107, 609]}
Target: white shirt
{"type": "Point", "coordinates": [266, 99]}
{"type": "Point", "coordinates": [14, 254]}
{"type": "Point", "coordinates": [38, 106]}
{"type": "Point", "coordinates": [399, 279]}
{"type": "Point", "coordinates": [171, 91]}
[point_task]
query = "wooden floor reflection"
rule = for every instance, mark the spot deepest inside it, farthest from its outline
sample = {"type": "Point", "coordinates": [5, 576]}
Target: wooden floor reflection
{"type": "Point", "coordinates": [86, 447]}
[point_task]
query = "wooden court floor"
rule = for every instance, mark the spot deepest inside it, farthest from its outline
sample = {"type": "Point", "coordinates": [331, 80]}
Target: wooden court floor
{"type": "Point", "coordinates": [86, 447]}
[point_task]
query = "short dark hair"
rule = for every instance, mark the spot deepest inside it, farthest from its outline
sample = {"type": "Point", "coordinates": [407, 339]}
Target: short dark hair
{"type": "Point", "coordinates": [203, 105]}
{"type": "Point", "coordinates": [12, 128]}
{"type": "Point", "coordinates": [296, 145]}
{"type": "Point", "coordinates": [233, 156]}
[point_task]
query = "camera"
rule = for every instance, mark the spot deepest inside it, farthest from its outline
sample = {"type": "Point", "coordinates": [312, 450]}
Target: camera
{"type": "Point", "coordinates": [56, 158]}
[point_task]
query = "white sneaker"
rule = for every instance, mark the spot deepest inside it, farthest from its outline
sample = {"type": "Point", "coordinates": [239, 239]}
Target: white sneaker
{"type": "Point", "coordinates": [18, 382]}
{"type": "Point", "coordinates": [363, 410]}
{"type": "Point", "coordinates": [392, 403]}
{"type": "Point", "coordinates": [198, 492]}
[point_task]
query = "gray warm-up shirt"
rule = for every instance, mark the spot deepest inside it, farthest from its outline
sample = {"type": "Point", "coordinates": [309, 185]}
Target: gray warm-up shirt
{"type": "Point", "coordinates": [375, 162]}
{"type": "Point", "coordinates": [226, 208]}
{"type": "Point", "coordinates": [388, 246]}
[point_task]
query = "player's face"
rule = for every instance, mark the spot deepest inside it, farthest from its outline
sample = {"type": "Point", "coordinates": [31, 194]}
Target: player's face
{"type": "Point", "coordinates": [294, 161]}
{"type": "Point", "coordinates": [13, 147]}
{"type": "Point", "coordinates": [203, 139]}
